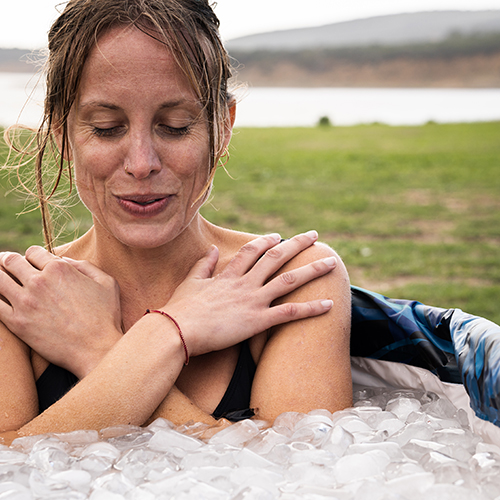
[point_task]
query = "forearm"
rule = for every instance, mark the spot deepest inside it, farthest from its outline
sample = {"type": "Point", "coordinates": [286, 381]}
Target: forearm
{"type": "Point", "coordinates": [179, 409]}
{"type": "Point", "coordinates": [125, 388]}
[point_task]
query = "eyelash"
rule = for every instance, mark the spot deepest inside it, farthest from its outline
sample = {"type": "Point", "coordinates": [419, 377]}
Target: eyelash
{"type": "Point", "coordinates": [104, 132]}
{"type": "Point", "coordinates": [110, 132]}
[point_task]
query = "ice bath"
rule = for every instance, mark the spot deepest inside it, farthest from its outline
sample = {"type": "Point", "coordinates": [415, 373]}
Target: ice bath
{"type": "Point", "coordinates": [393, 444]}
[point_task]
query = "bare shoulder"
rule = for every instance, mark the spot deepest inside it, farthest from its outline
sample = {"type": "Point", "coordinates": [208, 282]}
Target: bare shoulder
{"type": "Point", "coordinates": [317, 252]}
{"type": "Point", "coordinates": [80, 249]}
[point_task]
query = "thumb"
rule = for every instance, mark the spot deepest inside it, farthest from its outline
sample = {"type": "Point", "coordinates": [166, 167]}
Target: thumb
{"type": "Point", "coordinates": [204, 268]}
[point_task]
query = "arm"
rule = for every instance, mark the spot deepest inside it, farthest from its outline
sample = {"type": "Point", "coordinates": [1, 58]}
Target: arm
{"type": "Point", "coordinates": [305, 364]}
{"type": "Point", "coordinates": [18, 398]}
{"type": "Point", "coordinates": [141, 368]}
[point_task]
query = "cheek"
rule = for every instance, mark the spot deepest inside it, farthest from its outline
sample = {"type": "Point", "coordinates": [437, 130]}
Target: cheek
{"type": "Point", "coordinates": [92, 165]}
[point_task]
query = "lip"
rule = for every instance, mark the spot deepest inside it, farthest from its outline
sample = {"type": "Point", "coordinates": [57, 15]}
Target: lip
{"type": "Point", "coordinates": [144, 205]}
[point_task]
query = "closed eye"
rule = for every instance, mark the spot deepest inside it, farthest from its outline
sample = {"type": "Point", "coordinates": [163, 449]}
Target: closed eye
{"type": "Point", "coordinates": [175, 130]}
{"type": "Point", "coordinates": [107, 132]}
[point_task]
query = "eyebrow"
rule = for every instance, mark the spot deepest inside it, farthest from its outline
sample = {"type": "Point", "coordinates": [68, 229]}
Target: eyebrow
{"type": "Point", "coordinates": [113, 107]}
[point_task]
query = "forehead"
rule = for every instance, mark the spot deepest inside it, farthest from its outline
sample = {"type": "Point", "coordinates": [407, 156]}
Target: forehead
{"type": "Point", "coordinates": [126, 58]}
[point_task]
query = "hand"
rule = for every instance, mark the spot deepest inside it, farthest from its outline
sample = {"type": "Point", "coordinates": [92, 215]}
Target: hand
{"type": "Point", "coordinates": [217, 312]}
{"type": "Point", "coordinates": [68, 311]}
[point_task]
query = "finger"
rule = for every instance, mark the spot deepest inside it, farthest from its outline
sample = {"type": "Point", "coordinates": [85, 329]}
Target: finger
{"type": "Point", "coordinates": [293, 311]}
{"type": "Point", "coordinates": [204, 268]}
{"type": "Point", "coordinates": [38, 257]}
{"type": "Point", "coordinates": [291, 280]}
{"type": "Point", "coordinates": [250, 253]}
{"type": "Point", "coordinates": [275, 258]}
{"type": "Point", "coordinates": [88, 269]}
{"type": "Point", "coordinates": [8, 288]}
{"type": "Point", "coordinates": [17, 267]}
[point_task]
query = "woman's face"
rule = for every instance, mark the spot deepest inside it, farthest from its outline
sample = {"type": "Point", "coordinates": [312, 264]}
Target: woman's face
{"type": "Point", "coordinates": [138, 140]}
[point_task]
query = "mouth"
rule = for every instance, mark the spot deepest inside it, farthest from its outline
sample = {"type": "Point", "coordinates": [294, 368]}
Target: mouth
{"type": "Point", "coordinates": [144, 205]}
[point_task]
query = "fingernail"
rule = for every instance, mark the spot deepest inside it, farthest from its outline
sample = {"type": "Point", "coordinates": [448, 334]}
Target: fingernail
{"type": "Point", "coordinates": [312, 234]}
{"type": "Point", "coordinates": [275, 236]}
{"type": "Point", "coordinates": [330, 261]}
{"type": "Point", "coordinates": [327, 304]}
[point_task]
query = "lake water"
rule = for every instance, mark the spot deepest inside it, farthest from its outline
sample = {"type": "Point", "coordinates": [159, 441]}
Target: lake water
{"type": "Point", "coordinates": [263, 107]}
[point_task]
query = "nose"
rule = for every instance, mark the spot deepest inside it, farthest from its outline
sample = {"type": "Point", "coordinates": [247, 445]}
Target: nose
{"type": "Point", "coordinates": [142, 159]}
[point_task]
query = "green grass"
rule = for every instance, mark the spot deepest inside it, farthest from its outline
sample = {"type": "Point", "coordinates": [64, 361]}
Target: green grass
{"type": "Point", "coordinates": [413, 211]}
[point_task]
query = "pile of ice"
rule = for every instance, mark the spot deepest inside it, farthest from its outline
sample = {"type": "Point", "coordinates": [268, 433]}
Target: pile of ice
{"type": "Point", "coordinates": [391, 445]}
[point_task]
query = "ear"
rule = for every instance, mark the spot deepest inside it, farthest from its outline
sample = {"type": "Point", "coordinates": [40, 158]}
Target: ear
{"type": "Point", "coordinates": [58, 137]}
{"type": "Point", "coordinates": [230, 118]}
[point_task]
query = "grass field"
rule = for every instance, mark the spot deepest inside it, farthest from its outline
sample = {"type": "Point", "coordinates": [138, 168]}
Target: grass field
{"type": "Point", "coordinates": [413, 211]}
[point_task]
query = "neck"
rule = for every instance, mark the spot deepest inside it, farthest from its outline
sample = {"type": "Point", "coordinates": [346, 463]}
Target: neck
{"type": "Point", "coordinates": [148, 277]}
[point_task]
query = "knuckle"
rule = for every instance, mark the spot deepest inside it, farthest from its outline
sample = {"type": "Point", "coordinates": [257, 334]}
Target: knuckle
{"type": "Point", "coordinates": [10, 258]}
{"type": "Point", "coordinates": [32, 250]}
{"type": "Point", "coordinates": [56, 265]}
{"type": "Point", "coordinates": [319, 266]}
{"type": "Point", "coordinates": [274, 253]}
{"type": "Point", "coordinates": [288, 278]}
{"type": "Point", "coordinates": [248, 248]}
{"type": "Point", "coordinates": [290, 310]}
{"type": "Point", "coordinates": [27, 303]}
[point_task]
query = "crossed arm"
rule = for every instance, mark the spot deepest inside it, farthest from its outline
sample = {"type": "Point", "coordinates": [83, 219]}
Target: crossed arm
{"type": "Point", "coordinates": [131, 380]}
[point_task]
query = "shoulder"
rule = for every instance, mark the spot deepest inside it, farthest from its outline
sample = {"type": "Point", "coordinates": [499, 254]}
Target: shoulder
{"type": "Point", "coordinates": [316, 252]}
{"type": "Point", "coordinates": [334, 285]}
{"type": "Point", "coordinates": [80, 249]}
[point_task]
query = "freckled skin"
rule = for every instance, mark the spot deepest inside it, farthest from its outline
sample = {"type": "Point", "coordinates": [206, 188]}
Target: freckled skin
{"type": "Point", "coordinates": [139, 145]}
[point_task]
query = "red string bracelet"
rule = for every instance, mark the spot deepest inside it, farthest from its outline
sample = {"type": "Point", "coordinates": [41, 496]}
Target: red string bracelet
{"type": "Point", "coordinates": [186, 352]}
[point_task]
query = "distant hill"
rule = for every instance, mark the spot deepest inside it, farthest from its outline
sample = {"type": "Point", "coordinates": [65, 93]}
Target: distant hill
{"type": "Point", "coordinates": [419, 27]}
{"type": "Point", "coordinates": [459, 61]}
{"type": "Point", "coordinates": [424, 49]}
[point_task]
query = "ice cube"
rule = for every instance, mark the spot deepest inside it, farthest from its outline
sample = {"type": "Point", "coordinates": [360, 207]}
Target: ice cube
{"type": "Point", "coordinates": [11, 456]}
{"type": "Point", "coordinates": [248, 458]}
{"type": "Point", "coordinates": [266, 440]}
{"type": "Point", "coordinates": [338, 441]}
{"type": "Point", "coordinates": [434, 460]}
{"type": "Point", "coordinates": [218, 477]}
{"type": "Point", "coordinates": [458, 474]}
{"type": "Point", "coordinates": [391, 449]}
{"type": "Point", "coordinates": [76, 438]}
{"type": "Point", "coordinates": [49, 458]}
{"type": "Point", "coordinates": [441, 408]}
{"type": "Point", "coordinates": [237, 434]}
{"type": "Point", "coordinates": [265, 479]}
{"type": "Point", "coordinates": [412, 431]}
{"type": "Point", "coordinates": [105, 495]}
{"type": "Point", "coordinates": [289, 419]}
{"type": "Point", "coordinates": [101, 449]}
{"type": "Point", "coordinates": [114, 482]}
{"type": "Point", "coordinates": [167, 439]}
{"type": "Point", "coordinates": [402, 407]}
{"type": "Point", "coordinates": [455, 436]}
{"type": "Point", "coordinates": [357, 467]}
{"type": "Point", "coordinates": [449, 492]}
{"type": "Point", "coordinates": [411, 483]}
{"type": "Point", "coordinates": [354, 425]}
{"type": "Point", "coordinates": [253, 493]}
{"type": "Point", "coordinates": [47, 486]}
{"type": "Point", "coordinates": [161, 424]}
{"type": "Point", "coordinates": [10, 490]}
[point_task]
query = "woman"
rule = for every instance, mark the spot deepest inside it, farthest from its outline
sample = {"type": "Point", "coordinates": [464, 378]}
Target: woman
{"type": "Point", "coordinates": [138, 105]}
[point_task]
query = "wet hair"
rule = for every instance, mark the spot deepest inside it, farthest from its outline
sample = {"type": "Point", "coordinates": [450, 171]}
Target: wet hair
{"type": "Point", "coordinates": [188, 28]}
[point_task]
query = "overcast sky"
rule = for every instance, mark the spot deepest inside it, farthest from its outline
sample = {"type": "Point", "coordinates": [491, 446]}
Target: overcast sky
{"type": "Point", "coordinates": [24, 23]}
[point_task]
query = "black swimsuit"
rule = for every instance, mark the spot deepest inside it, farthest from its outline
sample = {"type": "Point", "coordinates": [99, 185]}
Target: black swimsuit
{"type": "Point", "coordinates": [55, 382]}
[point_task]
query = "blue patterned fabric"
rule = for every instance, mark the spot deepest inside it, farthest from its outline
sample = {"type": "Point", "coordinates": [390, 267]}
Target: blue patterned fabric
{"type": "Point", "coordinates": [454, 345]}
